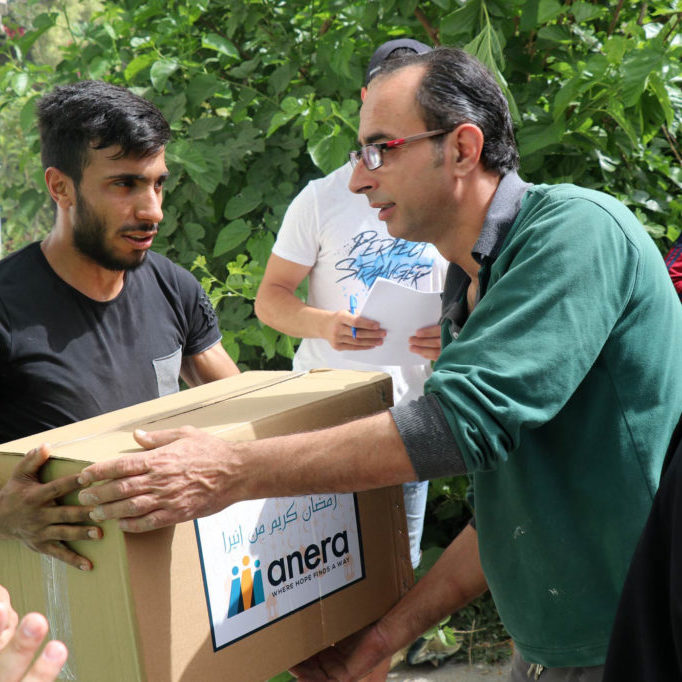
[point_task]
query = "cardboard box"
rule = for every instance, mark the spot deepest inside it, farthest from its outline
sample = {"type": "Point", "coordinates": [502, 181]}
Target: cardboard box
{"type": "Point", "coordinates": [208, 600]}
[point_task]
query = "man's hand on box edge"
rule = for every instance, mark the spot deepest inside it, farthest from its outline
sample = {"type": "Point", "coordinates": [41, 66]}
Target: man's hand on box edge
{"type": "Point", "coordinates": [348, 660]}
{"type": "Point", "coordinates": [30, 513]}
{"type": "Point", "coordinates": [181, 479]}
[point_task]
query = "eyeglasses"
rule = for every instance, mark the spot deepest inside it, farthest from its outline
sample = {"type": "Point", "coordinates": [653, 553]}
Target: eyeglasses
{"type": "Point", "coordinates": [372, 155]}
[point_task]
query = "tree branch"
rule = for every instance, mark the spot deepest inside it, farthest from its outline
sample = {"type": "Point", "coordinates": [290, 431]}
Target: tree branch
{"type": "Point", "coordinates": [671, 142]}
{"type": "Point", "coordinates": [614, 21]}
{"type": "Point", "coordinates": [428, 27]}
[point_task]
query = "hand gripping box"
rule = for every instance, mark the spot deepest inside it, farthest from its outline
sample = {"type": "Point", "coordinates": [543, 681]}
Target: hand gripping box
{"type": "Point", "coordinates": [241, 595]}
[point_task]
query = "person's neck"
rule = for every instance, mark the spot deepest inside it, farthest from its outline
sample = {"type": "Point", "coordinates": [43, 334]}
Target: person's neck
{"type": "Point", "coordinates": [79, 271]}
{"type": "Point", "coordinates": [473, 196]}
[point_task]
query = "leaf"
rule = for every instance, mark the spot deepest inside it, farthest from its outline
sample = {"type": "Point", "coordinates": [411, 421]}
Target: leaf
{"type": "Point", "coordinates": [565, 96]}
{"type": "Point", "coordinates": [584, 11]}
{"type": "Point", "coordinates": [27, 116]}
{"type": "Point", "coordinates": [636, 68]}
{"type": "Point", "coordinates": [245, 69]}
{"type": "Point", "coordinates": [532, 138]}
{"type": "Point", "coordinates": [280, 77]}
{"type": "Point", "coordinates": [486, 47]}
{"type": "Point", "coordinates": [231, 236]}
{"type": "Point", "coordinates": [98, 67]}
{"type": "Point", "coordinates": [463, 21]}
{"type": "Point", "coordinates": [213, 41]}
{"type": "Point", "coordinates": [172, 106]}
{"type": "Point", "coordinates": [330, 152]}
{"type": "Point", "coordinates": [285, 346]}
{"type": "Point", "coordinates": [549, 10]}
{"type": "Point", "coordinates": [260, 246]}
{"type": "Point", "coordinates": [138, 64]}
{"type": "Point", "coordinates": [616, 111]}
{"type": "Point", "coordinates": [20, 82]}
{"type": "Point", "coordinates": [407, 7]}
{"type": "Point", "coordinates": [245, 202]}
{"type": "Point", "coordinates": [187, 155]}
{"type": "Point", "coordinates": [203, 127]}
{"type": "Point", "coordinates": [658, 88]}
{"type": "Point", "coordinates": [201, 86]}
{"type": "Point", "coordinates": [278, 120]}
{"type": "Point", "coordinates": [161, 71]}
{"type": "Point", "coordinates": [555, 34]}
{"type": "Point", "coordinates": [194, 231]}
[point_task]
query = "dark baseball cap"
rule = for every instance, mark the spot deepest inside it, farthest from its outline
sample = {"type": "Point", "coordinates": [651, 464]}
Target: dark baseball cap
{"type": "Point", "coordinates": [384, 51]}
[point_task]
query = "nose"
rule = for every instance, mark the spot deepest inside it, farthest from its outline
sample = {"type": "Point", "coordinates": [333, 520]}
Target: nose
{"type": "Point", "coordinates": [148, 209]}
{"type": "Point", "coordinates": [362, 181]}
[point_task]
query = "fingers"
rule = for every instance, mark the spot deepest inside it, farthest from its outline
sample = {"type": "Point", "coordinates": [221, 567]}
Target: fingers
{"type": "Point", "coordinates": [426, 353]}
{"type": "Point", "coordinates": [60, 551]}
{"type": "Point", "coordinates": [124, 508]}
{"type": "Point", "coordinates": [57, 515]}
{"type": "Point", "coordinates": [53, 490]}
{"type": "Point", "coordinates": [155, 439]}
{"type": "Point", "coordinates": [123, 467]}
{"type": "Point", "coordinates": [367, 325]}
{"type": "Point", "coordinates": [26, 473]}
{"type": "Point", "coordinates": [16, 657]}
{"type": "Point", "coordinates": [71, 533]}
{"type": "Point", "coordinates": [434, 330]}
{"type": "Point", "coordinates": [426, 342]}
{"type": "Point", "coordinates": [156, 519]}
{"type": "Point", "coordinates": [48, 665]}
{"type": "Point", "coordinates": [8, 618]}
{"type": "Point", "coordinates": [31, 462]}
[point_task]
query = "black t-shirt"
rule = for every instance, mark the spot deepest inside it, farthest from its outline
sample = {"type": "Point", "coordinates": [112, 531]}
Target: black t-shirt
{"type": "Point", "coordinates": [65, 357]}
{"type": "Point", "coordinates": [646, 642]}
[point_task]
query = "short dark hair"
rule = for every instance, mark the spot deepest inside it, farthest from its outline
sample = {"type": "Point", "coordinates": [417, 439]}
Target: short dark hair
{"type": "Point", "coordinates": [94, 115]}
{"type": "Point", "coordinates": [457, 88]}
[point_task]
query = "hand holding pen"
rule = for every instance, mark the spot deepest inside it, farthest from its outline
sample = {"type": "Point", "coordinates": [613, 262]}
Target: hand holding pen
{"type": "Point", "coordinates": [345, 330]}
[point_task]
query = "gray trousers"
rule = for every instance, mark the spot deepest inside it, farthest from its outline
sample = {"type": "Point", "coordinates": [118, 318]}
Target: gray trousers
{"type": "Point", "coordinates": [522, 671]}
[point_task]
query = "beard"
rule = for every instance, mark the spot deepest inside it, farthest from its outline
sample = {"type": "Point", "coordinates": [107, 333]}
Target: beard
{"type": "Point", "coordinates": [89, 232]}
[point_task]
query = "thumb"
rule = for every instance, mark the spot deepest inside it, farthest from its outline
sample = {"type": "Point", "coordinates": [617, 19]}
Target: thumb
{"type": "Point", "coordinates": [155, 439]}
{"type": "Point", "coordinates": [32, 461]}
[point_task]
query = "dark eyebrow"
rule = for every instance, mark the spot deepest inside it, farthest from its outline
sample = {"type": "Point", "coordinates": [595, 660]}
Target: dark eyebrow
{"type": "Point", "coordinates": [136, 177]}
{"type": "Point", "coordinates": [376, 137]}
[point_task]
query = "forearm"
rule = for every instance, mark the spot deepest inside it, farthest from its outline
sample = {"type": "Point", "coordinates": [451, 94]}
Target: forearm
{"type": "Point", "coordinates": [193, 474]}
{"type": "Point", "coordinates": [359, 455]}
{"type": "Point", "coordinates": [282, 310]}
{"type": "Point", "coordinates": [455, 580]}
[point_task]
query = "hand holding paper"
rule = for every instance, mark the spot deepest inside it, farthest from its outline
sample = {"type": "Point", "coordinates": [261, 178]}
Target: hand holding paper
{"type": "Point", "coordinates": [401, 311]}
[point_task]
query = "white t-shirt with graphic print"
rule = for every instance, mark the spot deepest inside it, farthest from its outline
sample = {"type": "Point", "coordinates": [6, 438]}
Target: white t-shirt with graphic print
{"type": "Point", "coordinates": [335, 232]}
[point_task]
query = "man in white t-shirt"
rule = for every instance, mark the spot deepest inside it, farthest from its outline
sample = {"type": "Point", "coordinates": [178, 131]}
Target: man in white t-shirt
{"type": "Point", "coordinates": [332, 236]}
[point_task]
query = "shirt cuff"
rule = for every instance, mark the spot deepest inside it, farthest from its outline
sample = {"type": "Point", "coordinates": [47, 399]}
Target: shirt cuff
{"type": "Point", "coordinates": [428, 440]}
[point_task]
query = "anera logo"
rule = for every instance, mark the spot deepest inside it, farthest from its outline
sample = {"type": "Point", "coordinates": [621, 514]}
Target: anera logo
{"type": "Point", "coordinates": [246, 590]}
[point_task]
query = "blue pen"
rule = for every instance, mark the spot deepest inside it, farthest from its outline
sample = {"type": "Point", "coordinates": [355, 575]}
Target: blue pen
{"type": "Point", "coordinates": [353, 308]}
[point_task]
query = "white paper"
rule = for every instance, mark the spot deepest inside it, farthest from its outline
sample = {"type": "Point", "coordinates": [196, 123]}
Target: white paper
{"type": "Point", "coordinates": [264, 559]}
{"type": "Point", "coordinates": [400, 310]}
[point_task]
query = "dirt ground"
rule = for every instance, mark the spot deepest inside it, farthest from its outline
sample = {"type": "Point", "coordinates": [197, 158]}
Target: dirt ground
{"type": "Point", "coordinates": [450, 672]}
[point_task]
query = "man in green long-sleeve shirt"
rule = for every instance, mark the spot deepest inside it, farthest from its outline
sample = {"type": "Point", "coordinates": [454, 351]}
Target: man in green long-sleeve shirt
{"type": "Point", "coordinates": [557, 388]}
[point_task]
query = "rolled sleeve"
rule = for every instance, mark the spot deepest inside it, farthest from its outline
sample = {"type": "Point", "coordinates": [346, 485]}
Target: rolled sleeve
{"type": "Point", "coordinates": [428, 439]}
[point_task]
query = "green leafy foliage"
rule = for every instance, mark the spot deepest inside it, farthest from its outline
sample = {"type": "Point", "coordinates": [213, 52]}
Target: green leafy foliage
{"type": "Point", "coordinates": [263, 96]}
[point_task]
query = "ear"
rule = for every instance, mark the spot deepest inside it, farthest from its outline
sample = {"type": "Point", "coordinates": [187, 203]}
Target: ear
{"type": "Point", "coordinates": [466, 142]}
{"type": "Point", "coordinates": [61, 188]}
{"type": "Point", "coordinates": [363, 93]}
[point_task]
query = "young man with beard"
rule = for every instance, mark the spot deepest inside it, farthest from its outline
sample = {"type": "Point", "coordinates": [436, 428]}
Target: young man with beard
{"type": "Point", "coordinates": [90, 319]}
